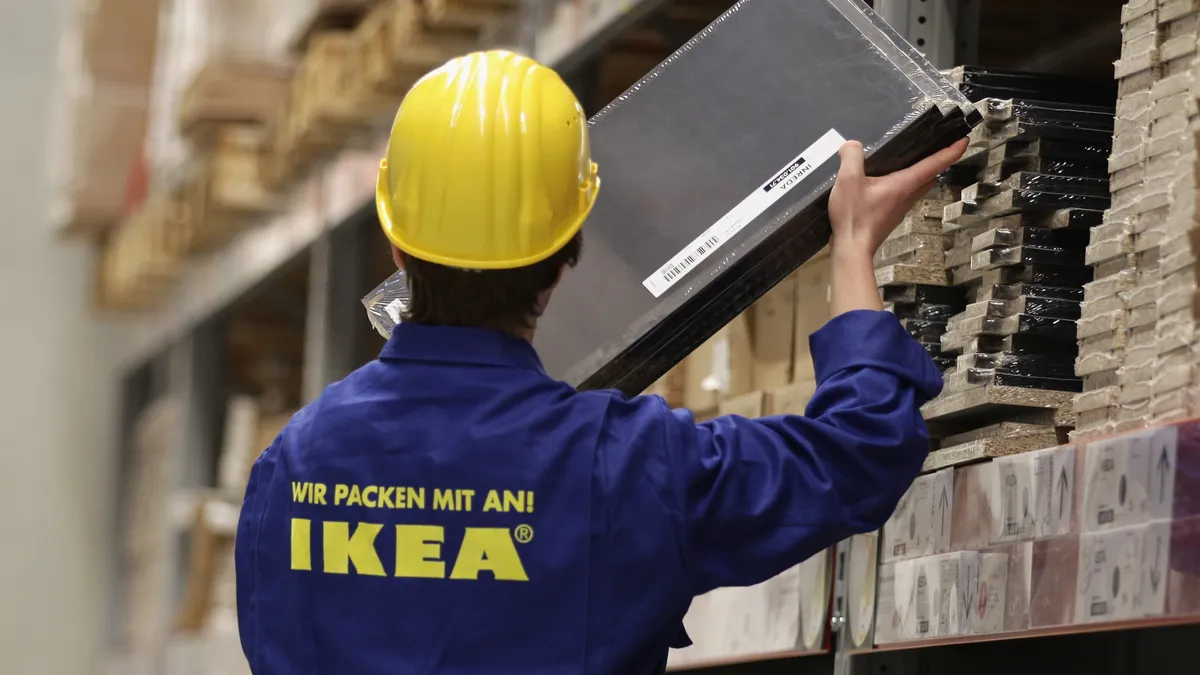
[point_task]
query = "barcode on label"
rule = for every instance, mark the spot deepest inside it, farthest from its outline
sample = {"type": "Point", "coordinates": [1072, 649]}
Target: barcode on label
{"type": "Point", "coordinates": [675, 271]}
{"type": "Point", "coordinates": [753, 206]}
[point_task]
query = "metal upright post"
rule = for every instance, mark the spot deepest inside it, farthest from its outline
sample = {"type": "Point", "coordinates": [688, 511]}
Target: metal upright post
{"type": "Point", "coordinates": [197, 378]}
{"type": "Point", "coordinates": [935, 27]}
{"type": "Point", "coordinates": [194, 379]}
{"type": "Point", "coordinates": [334, 320]}
{"type": "Point", "coordinates": [530, 22]}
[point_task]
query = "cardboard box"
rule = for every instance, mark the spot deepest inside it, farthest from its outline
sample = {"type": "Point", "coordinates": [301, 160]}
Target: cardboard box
{"type": "Point", "coordinates": [933, 597]}
{"type": "Point", "coordinates": [892, 621]}
{"type": "Point", "coordinates": [1183, 580]}
{"type": "Point", "coordinates": [815, 585]}
{"type": "Point", "coordinates": [1027, 496]}
{"type": "Point", "coordinates": [720, 368]}
{"type": "Point", "coordinates": [1016, 517]}
{"type": "Point", "coordinates": [772, 324]}
{"type": "Point", "coordinates": [670, 387]}
{"type": "Point", "coordinates": [1129, 480]}
{"type": "Point", "coordinates": [747, 405]}
{"type": "Point", "coordinates": [955, 591]}
{"type": "Point", "coordinates": [812, 312]}
{"type": "Point", "coordinates": [761, 619]}
{"type": "Point", "coordinates": [790, 400]}
{"type": "Point", "coordinates": [1054, 488]}
{"type": "Point", "coordinates": [701, 624]}
{"type": "Point", "coordinates": [863, 579]}
{"type": "Point", "coordinates": [1122, 573]}
{"type": "Point", "coordinates": [1050, 577]}
{"type": "Point", "coordinates": [239, 444]}
{"type": "Point", "coordinates": [976, 505]}
{"type": "Point", "coordinates": [921, 523]}
{"type": "Point", "coordinates": [709, 201]}
{"type": "Point", "coordinates": [1017, 584]}
{"type": "Point", "coordinates": [987, 611]}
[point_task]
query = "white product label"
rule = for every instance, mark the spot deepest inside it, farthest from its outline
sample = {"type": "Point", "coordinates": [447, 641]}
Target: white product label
{"type": "Point", "coordinates": [1054, 471]}
{"type": "Point", "coordinates": [394, 308]}
{"type": "Point", "coordinates": [1017, 509]}
{"type": "Point", "coordinates": [741, 215]}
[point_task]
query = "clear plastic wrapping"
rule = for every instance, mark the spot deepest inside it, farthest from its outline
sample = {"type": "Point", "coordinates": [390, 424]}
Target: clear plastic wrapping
{"type": "Point", "coordinates": [1030, 236]}
{"type": "Point", "coordinates": [979, 83]}
{"type": "Point", "coordinates": [1026, 304]}
{"type": "Point", "coordinates": [386, 304]}
{"type": "Point", "coordinates": [1046, 365]}
{"type": "Point", "coordinates": [1020, 323]}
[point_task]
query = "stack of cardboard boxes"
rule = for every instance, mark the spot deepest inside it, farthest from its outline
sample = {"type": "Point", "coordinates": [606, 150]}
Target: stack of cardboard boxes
{"type": "Point", "coordinates": [759, 364]}
{"type": "Point", "coordinates": [105, 75]}
{"type": "Point", "coordinates": [1064, 536]}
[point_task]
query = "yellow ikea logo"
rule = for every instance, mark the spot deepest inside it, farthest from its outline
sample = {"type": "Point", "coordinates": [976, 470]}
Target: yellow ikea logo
{"type": "Point", "coordinates": [418, 551]}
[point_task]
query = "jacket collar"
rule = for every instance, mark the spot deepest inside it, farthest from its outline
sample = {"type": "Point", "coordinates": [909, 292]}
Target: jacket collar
{"type": "Point", "coordinates": [471, 346]}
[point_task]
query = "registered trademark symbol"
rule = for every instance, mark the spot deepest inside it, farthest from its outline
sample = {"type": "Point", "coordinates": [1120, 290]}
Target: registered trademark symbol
{"type": "Point", "coordinates": [523, 533]}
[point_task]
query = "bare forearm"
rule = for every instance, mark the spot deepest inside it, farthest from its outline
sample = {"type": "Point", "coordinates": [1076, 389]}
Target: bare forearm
{"type": "Point", "coordinates": [852, 280]}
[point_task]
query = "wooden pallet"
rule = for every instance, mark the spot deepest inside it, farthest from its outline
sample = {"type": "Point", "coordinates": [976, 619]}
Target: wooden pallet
{"type": "Point", "coordinates": [227, 190]}
{"type": "Point", "coordinates": [144, 256]}
{"type": "Point", "coordinates": [232, 92]}
{"type": "Point", "coordinates": [326, 16]}
{"type": "Point", "coordinates": [414, 49]}
{"type": "Point", "coordinates": [209, 544]}
{"type": "Point", "coordinates": [303, 140]}
{"type": "Point", "coordinates": [377, 86]}
{"type": "Point", "coordinates": [468, 15]}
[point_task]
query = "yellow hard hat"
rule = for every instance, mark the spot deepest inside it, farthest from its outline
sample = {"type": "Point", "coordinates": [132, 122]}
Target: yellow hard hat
{"type": "Point", "coordinates": [488, 165]}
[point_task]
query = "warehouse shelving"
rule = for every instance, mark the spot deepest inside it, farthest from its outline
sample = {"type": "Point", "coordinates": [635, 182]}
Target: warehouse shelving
{"type": "Point", "coordinates": [310, 265]}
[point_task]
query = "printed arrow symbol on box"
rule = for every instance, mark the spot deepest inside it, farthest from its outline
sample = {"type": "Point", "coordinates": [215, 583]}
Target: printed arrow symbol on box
{"type": "Point", "coordinates": [1164, 464]}
{"type": "Point", "coordinates": [944, 505]}
{"type": "Point", "coordinates": [1062, 492]}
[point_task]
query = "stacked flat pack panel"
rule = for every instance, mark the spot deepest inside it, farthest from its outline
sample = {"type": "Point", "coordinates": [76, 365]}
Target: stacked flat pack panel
{"type": "Point", "coordinates": [716, 170]}
{"type": "Point", "coordinates": [1137, 334]}
{"type": "Point", "coordinates": [1171, 165]}
{"type": "Point", "coordinates": [910, 269]}
{"type": "Point", "coordinates": [1032, 184]}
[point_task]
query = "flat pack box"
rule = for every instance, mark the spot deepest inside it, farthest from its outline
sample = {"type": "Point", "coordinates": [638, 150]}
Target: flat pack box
{"type": "Point", "coordinates": [921, 525]}
{"type": "Point", "coordinates": [716, 169]}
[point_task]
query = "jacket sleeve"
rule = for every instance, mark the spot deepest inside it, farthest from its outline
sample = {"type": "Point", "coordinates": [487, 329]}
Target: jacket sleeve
{"type": "Point", "coordinates": [246, 546]}
{"type": "Point", "coordinates": [758, 496]}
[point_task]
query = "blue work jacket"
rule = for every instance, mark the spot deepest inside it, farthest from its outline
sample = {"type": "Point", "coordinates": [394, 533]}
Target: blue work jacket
{"type": "Point", "coordinates": [449, 508]}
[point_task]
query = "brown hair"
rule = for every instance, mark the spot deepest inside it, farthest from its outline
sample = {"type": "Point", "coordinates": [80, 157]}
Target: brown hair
{"type": "Point", "coordinates": [504, 300]}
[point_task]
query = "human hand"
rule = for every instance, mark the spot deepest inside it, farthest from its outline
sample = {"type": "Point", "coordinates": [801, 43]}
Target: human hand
{"type": "Point", "coordinates": [863, 210]}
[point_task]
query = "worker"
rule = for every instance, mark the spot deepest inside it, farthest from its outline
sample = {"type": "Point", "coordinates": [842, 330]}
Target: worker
{"type": "Point", "coordinates": [450, 508]}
